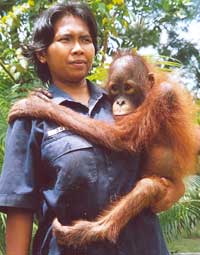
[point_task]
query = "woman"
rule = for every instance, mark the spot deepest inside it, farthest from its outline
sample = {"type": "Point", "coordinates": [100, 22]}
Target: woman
{"type": "Point", "coordinates": [52, 172]}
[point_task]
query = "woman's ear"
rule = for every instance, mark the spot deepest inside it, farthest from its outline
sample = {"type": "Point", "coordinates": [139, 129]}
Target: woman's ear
{"type": "Point", "coordinates": [151, 79]}
{"type": "Point", "coordinates": [41, 56]}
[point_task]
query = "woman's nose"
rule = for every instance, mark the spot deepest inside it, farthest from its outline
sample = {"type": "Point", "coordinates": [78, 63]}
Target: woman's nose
{"type": "Point", "coordinates": [77, 49]}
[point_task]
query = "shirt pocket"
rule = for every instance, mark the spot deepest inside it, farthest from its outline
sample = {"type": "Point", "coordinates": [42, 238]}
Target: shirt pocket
{"type": "Point", "coordinates": [70, 160]}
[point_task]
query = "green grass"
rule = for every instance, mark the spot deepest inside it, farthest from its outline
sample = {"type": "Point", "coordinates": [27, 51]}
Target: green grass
{"type": "Point", "coordinates": [187, 243]}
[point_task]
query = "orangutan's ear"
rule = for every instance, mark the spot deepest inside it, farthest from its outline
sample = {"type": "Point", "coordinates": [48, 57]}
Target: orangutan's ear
{"type": "Point", "coordinates": [151, 79]}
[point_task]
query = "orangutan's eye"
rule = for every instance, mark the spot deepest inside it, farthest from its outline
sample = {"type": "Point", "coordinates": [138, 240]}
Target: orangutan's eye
{"type": "Point", "coordinates": [114, 89]}
{"type": "Point", "coordinates": [129, 88]}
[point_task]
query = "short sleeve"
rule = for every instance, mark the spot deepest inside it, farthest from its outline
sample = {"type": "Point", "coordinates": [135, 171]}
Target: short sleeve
{"type": "Point", "coordinates": [18, 181]}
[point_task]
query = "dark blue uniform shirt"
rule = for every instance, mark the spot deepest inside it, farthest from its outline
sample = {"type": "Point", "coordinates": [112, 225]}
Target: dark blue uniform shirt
{"type": "Point", "coordinates": [57, 173]}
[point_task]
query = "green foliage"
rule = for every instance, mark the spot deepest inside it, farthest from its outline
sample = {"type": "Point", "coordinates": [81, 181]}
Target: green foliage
{"type": "Point", "coordinates": [2, 231]}
{"type": "Point", "coordinates": [184, 215]}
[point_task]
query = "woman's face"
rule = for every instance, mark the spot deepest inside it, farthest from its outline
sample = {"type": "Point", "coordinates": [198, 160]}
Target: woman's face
{"type": "Point", "coordinates": [70, 55]}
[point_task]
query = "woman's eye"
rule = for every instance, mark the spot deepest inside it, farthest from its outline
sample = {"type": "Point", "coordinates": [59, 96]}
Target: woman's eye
{"type": "Point", "coordinates": [65, 39]}
{"type": "Point", "coordinates": [86, 39]}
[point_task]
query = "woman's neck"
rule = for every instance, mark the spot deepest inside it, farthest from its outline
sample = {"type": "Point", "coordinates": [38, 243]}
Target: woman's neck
{"type": "Point", "coordinates": [79, 91]}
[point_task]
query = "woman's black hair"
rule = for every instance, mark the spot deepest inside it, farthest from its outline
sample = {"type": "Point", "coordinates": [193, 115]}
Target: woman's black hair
{"type": "Point", "coordinates": [43, 32]}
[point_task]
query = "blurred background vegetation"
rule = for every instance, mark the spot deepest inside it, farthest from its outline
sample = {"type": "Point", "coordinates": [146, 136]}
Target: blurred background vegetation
{"type": "Point", "coordinates": [164, 29]}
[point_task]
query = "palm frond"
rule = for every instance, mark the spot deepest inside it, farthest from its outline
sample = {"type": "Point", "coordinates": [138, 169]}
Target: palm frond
{"type": "Point", "coordinates": [184, 215]}
{"type": "Point", "coordinates": [2, 235]}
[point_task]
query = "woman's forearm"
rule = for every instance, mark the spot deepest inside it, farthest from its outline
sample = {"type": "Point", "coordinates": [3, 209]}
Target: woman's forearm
{"type": "Point", "coordinates": [18, 231]}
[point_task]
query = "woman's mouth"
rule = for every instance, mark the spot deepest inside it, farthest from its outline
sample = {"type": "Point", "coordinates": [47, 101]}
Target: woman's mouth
{"type": "Point", "coordinates": [78, 63]}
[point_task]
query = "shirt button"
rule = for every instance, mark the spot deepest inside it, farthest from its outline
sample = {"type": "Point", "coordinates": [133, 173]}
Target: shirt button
{"type": "Point", "coordinates": [110, 178]}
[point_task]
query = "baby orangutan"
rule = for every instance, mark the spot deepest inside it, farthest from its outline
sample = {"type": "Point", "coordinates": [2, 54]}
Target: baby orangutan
{"type": "Point", "coordinates": [152, 116]}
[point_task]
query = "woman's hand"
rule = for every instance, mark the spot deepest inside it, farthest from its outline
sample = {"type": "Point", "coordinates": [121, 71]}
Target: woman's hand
{"type": "Point", "coordinates": [175, 190]}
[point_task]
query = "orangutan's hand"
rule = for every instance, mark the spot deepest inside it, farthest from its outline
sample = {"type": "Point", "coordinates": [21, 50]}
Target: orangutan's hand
{"type": "Point", "coordinates": [175, 190]}
{"type": "Point", "coordinates": [41, 93]}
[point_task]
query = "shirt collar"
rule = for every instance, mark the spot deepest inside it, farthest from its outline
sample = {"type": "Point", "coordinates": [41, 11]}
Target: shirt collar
{"type": "Point", "coordinates": [59, 96]}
